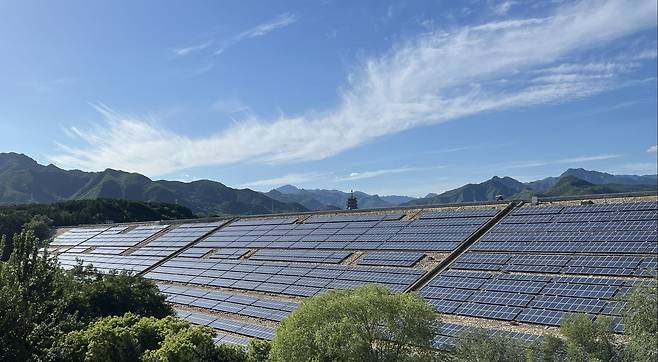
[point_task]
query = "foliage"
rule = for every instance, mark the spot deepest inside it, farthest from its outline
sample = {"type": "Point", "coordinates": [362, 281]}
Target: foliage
{"type": "Point", "coordinates": [41, 303]}
{"type": "Point", "coordinates": [133, 338]}
{"type": "Point", "coordinates": [641, 323]}
{"type": "Point", "coordinates": [589, 340]}
{"type": "Point", "coordinates": [99, 295]}
{"type": "Point", "coordinates": [258, 350]}
{"type": "Point", "coordinates": [479, 346]}
{"type": "Point", "coordinates": [367, 323]}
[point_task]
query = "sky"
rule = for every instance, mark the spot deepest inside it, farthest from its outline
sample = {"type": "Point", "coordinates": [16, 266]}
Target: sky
{"type": "Point", "coordinates": [387, 97]}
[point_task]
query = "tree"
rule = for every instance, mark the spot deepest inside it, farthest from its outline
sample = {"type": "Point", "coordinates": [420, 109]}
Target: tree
{"type": "Point", "coordinates": [258, 350]}
{"type": "Point", "coordinates": [478, 345]}
{"type": "Point", "coordinates": [641, 323]}
{"type": "Point", "coordinates": [99, 295]}
{"type": "Point", "coordinates": [41, 303]}
{"type": "Point", "coordinates": [583, 339]}
{"type": "Point", "coordinates": [367, 323]}
{"type": "Point", "coordinates": [134, 338]}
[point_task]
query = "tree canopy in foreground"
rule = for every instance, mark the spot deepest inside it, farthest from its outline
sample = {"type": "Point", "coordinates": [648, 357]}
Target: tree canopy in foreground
{"type": "Point", "coordinates": [368, 323]}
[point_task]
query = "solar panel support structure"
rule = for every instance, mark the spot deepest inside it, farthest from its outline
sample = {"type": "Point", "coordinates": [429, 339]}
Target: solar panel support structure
{"type": "Point", "coordinates": [462, 247]}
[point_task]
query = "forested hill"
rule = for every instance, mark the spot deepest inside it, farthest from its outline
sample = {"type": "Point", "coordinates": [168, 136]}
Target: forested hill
{"type": "Point", "coordinates": [23, 180]}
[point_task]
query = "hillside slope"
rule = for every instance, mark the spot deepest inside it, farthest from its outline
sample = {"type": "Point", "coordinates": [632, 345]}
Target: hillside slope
{"type": "Point", "coordinates": [485, 191]}
{"type": "Point", "coordinates": [23, 180]}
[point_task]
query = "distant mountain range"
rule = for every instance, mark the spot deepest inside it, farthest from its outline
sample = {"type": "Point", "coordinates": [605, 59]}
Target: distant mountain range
{"type": "Point", "coordinates": [332, 199]}
{"type": "Point", "coordinates": [23, 180]}
{"type": "Point", "coordinates": [574, 181]}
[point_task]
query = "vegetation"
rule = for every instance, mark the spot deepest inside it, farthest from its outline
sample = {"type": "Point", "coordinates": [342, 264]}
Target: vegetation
{"type": "Point", "coordinates": [42, 303]}
{"type": "Point", "coordinates": [134, 338]}
{"type": "Point", "coordinates": [49, 314]}
{"type": "Point", "coordinates": [41, 217]}
{"type": "Point", "coordinates": [641, 323]}
{"type": "Point", "coordinates": [368, 323]}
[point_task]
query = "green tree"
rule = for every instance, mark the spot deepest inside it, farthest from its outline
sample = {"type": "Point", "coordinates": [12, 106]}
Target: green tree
{"type": "Point", "coordinates": [480, 346]}
{"type": "Point", "coordinates": [583, 339]}
{"type": "Point", "coordinates": [32, 311]}
{"type": "Point", "coordinates": [134, 338]}
{"type": "Point", "coordinates": [641, 323]}
{"type": "Point", "coordinates": [40, 225]}
{"type": "Point", "coordinates": [99, 295]}
{"type": "Point", "coordinates": [367, 323]}
{"type": "Point", "coordinates": [258, 350]}
{"type": "Point", "coordinates": [41, 303]}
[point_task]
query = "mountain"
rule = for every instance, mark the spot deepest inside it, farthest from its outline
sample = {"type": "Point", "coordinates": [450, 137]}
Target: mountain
{"type": "Point", "coordinates": [319, 199]}
{"type": "Point", "coordinates": [570, 185]}
{"type": "Point", "coordinates": [595, 178]}
{"type": "Point", "coordinates": [23, 180]}
{"type": "Point", "coordinates": [485, 191]}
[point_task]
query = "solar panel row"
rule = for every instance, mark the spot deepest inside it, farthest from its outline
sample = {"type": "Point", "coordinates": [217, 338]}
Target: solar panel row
{"type": "Point", "coordinates": [226, 302]}
{"type": "Point", "coordinates": [298, 279]}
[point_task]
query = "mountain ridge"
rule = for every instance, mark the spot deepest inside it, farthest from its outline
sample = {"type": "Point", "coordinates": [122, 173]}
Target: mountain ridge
{"type": "Point", "coordinates": [23, 180]}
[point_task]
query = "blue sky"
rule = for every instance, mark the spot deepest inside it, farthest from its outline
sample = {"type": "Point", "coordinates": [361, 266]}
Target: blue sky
{"type": "Point", "coordinates": [386, 97]}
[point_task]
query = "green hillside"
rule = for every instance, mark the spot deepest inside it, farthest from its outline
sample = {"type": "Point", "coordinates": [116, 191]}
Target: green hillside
{"type": "Point", "coordinates": [573, 186]}
{"type": "Point", "coordinates": [23, 180]}
{"type": "Point", "coordinates": [485, 191]}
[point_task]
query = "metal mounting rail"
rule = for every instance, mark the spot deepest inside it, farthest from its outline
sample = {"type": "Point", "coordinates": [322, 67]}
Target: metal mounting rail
{"type": "Point", "coordinates": [462, 247]}
{"type": "Point", "coordinates": [179, 251]}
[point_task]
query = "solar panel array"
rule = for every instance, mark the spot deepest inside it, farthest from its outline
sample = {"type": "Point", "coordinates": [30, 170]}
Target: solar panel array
{"type": "Point", "coordinates": [540, 263]}
{"type": "Point", "coordinates": [449, 333]}
{"type": "Point", "coordinates": [391, 258]}
{"type": "Point", "coordinates": [286, 278]}
{"type": "Point", "coordinates": [109, 248]}
{"type": "Point", "coordinates": [441, 231]}
{"type": "Point", "coordinates": [227, 325]}
{"type": "Point", "coordinates": [600, 229]}
{"type": "Point", "coordinates": [534, 265]}
{"type": "Point", "coordinates": [227, 302]}
{"type": "Point", "coordinates": [175, 239]}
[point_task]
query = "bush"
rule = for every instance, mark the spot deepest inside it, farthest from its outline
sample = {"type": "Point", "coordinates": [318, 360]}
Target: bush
{"type": "Point", "coordinates": [133, 338]}
{"type": "Point", "coordinates": [641, 323]}
{"type": "Point", "coordinates": [478, 346]}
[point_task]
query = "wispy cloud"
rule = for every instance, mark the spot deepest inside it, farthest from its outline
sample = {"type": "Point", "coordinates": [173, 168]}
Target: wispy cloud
{"type": "Point", "coordinates": [562, 161]}
{"type": "Point", "coordinates": [191, 49]}
{"type": "Point", "coordinates": [377, 173]}
{"type": "Point", "coordinates": [293, 178]}
{"type": "Point", "coordinates": [653, 149]}
{"type": "Point", "coordinates": [435, 77]}
{"type": "Point", "coordinates": [265, 28]}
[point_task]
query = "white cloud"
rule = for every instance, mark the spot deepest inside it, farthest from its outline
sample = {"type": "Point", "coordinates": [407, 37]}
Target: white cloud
{"type": "Point", "coordinates": [563, 161]}
{"type": "Point", "coordinates": [377, 173]}
{"type": "Point", "coordinates": [653, 149]}
{"type": "Point", "coordinates": [293, 178]}
{"type": "Point", "coordinates": [280, 21]}
{"type": "Point", "coordinates": [436, 77]}
{"type": "Point", "coordinates": [191, 49]}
